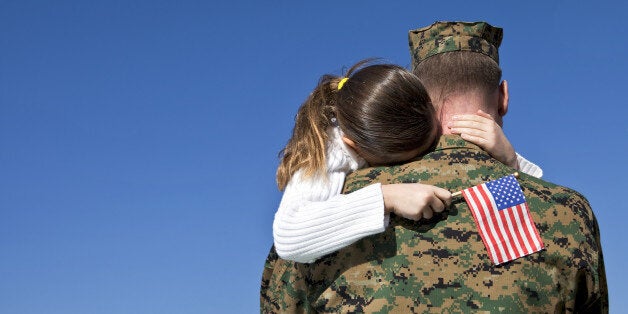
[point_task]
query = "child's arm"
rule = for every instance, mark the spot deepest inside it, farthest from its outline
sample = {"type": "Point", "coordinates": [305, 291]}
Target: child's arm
{"type": "Point", "coordinates": [314, 219]}
{"type": "Point", "coordinates": [482, 130]}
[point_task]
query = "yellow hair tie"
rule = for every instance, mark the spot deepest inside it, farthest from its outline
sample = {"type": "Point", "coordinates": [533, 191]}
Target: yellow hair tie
{"type": "Point", "coordinates": [342, 82]}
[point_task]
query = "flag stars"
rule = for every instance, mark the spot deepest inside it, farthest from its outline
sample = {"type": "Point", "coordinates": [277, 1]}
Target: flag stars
{"type": "Point", "coordinates": [506, 192]}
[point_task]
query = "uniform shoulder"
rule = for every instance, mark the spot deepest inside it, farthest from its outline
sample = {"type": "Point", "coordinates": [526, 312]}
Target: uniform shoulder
{"type": "Point", "coordinates": [557, 205]}
{"type": "Point", "coordinates": [550, 191]}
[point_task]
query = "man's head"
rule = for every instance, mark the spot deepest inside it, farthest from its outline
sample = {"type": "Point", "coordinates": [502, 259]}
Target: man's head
{"type": "Point", "coordinates": [458, 63]}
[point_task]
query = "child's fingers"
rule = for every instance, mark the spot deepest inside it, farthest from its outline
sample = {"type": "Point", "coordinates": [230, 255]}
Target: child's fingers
{"type": "Point", "coordinates": [469, 131]}
{"type": "Point", "coordinates": [427, 213]}
{"type": "Point", "coordinates": [478, 140]}
{"type": "Point", "coordinates": [467, 124]}
{"type": "Point", "coordinates": [471, 121]}
{"type": "Point", "coordinates": [480, 117]}
{"type": "Point", "coordinates": [436, 205]}
{"type": "Point", "coordinates": [471, 128]}
{"type": "Point", "coordinates": [443, 194]}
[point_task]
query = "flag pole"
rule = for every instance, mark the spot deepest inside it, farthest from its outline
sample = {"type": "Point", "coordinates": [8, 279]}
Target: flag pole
{"type": "Point", "coordinates": [458, 193]}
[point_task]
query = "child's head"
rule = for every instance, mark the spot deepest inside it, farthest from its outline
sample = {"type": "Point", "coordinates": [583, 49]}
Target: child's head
{"type": "Point", "coordinates": [383, 111]}
{"type": "Point", "coordinates": [385, 114]}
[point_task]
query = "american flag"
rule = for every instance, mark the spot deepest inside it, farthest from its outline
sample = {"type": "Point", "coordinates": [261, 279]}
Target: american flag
{"type": "Point", "coordinates": [503, 219]}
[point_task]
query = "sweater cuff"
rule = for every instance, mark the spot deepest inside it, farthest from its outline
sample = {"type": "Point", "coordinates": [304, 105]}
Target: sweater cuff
{"type": "Point", "coordinates": [373, 218]}
{"type": "Point", "coordinates": [529, 167]}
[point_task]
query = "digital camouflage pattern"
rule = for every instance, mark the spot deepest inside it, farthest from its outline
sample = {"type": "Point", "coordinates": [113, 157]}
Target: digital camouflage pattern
{"type": "Point", "coordinates": [441, 265]}
{"type": "Point", "coordinates": [454, 36]}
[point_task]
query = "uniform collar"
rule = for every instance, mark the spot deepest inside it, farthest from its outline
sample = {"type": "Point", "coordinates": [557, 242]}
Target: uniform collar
{"type": "Point", "coordinates": [450, 141]}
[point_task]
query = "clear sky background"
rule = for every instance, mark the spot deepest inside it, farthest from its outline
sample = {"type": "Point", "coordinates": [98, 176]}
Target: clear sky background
{"type": "Point", "coordinates": [139, 139]}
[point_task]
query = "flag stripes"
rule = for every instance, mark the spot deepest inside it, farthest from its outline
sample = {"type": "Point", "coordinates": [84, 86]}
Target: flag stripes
{"type": "Point", "coordinates": [508, 232]}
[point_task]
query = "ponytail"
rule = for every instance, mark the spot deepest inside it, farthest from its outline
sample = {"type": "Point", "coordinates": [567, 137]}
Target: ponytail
{"type": "Point", "coordinates": [307, 147]}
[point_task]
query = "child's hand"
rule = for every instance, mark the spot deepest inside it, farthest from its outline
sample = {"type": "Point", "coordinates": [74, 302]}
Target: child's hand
{"type": "Point", "coordinates": [482, 130]}
{"type": "Point", "coordinates": [414, 200]}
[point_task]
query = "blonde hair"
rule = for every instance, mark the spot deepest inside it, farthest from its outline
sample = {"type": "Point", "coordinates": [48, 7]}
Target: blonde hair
{"type": "Point", "coordinates": [383, 108]}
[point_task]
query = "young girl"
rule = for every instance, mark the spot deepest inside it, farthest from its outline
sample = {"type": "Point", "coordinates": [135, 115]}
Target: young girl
{"type": "Point", "coordinates": [377, 115]}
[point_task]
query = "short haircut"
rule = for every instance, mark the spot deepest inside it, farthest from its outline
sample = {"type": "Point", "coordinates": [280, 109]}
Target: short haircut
{"type": "Point", "coordinates": [453, 72]}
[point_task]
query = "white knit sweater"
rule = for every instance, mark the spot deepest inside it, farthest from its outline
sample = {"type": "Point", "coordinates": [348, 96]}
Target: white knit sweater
{"type": "Point", "coordinates": [315, 219]}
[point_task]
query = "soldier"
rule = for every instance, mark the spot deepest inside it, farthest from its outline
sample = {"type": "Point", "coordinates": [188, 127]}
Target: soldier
{"type": "Point", "coordinates": [442, 265]}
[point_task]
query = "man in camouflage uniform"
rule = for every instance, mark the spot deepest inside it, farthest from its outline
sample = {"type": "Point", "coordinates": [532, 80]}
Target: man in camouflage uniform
{"type": "Point", "coordinates": [441, 265]}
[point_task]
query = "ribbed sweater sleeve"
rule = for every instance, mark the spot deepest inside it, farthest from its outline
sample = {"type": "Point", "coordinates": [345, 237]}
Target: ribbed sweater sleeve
{"type": "Point", "coordinates": [306, 230]}
{"type": "Point", "coordinates": [529, 167]}
{"type": "Point", "coordinates": [314, 219]}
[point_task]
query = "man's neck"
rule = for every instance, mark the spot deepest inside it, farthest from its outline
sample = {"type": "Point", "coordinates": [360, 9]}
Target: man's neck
{"type": "Point", "coordinates": [466, 103]}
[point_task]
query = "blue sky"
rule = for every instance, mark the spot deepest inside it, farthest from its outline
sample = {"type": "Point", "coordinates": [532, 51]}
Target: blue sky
{"type": "Point", "coordinates": [139, 139]}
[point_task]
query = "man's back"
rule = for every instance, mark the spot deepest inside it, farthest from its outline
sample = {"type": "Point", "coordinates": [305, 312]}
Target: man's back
{"type": "Point", "coordinates": [443, 266]}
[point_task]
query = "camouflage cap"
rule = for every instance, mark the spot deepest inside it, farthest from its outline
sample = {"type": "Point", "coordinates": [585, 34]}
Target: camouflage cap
{"type": "Point", "coordinates": [454, 36]}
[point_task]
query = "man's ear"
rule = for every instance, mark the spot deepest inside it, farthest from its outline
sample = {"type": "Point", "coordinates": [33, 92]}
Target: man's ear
{"type": "Point", "coordinates": [349, 142]}
{"type": "Point", "coordinates": [502, 108]}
